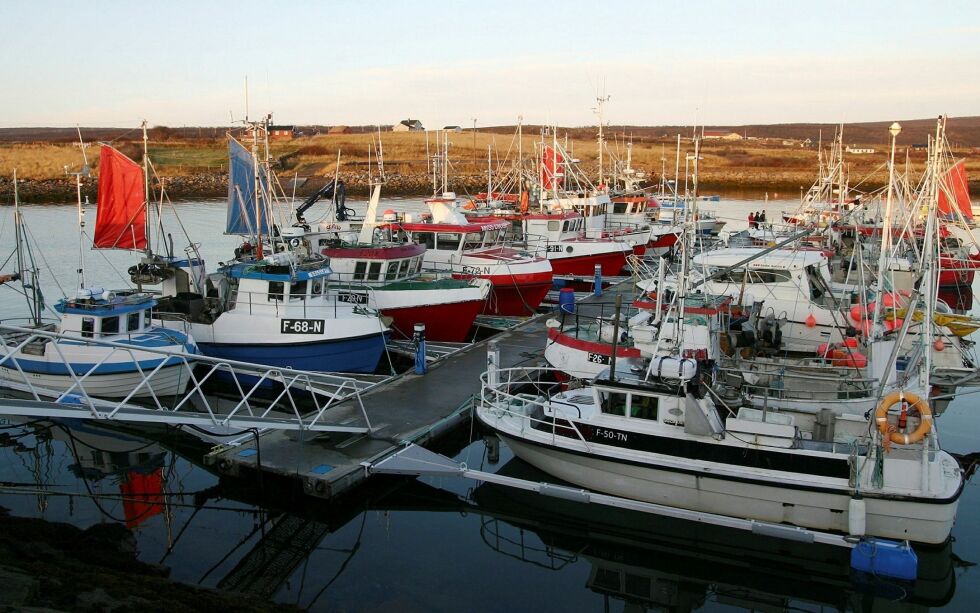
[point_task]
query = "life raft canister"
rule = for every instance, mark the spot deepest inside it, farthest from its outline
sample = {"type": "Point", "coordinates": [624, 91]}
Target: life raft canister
{"type": "Point", "coordinates": [925, 423]}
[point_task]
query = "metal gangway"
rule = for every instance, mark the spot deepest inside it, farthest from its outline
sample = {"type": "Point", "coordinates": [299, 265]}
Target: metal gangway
{"type": "Point", "coordinates": [251, 397]}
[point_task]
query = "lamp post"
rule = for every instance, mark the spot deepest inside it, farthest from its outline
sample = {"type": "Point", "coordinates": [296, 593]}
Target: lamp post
{"type": "Point", "coordinates": [886, 232]}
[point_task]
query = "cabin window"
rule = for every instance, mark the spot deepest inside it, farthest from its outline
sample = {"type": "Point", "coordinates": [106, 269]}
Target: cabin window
{"type": "Point", "coordinates": [418, 264]}
{"type": "Point", "coordinates": [403, 267]}
{"type": "Point", "coordinates": [619, 208]}
{"type": "Point", "coordinates": [110, 325]}
{"type": "Point", "coordinates": [297, 290]}
{"type": "Point", "coordinates": [133, 321]}
{"type": "Point", "coordinates": [316, 288]}
{"type": "Point", "coordinates": [814, 279]}
{"type": "Point", "coordinates": [447, 241]}
{"type": "Point", "coordinates": [146, 319]}
{"type": "Point", "coordinates": [473, 240]}
{"type": "Point", "coordinates": [359, 269]}
{"type": "Point", "coordinates": [732, 276]}
{"type": "Point", "coordinates": [564, 226]}
{"type": "Point", "coordinates": [275, 290]}
{"type": "Point", "coordinates": [426, 238]}
{"type": "Point", "coordinates": [614, 403]}
{"type": "Point", "coordinates": [374, 271]}
{"type": "Point", "coordinates": [88, 327]}
{"type": "Point", "coordinates": [643, 407]}
{"type": "Point", "coordinates": [391, 271]}
{"type": "Point", "coordinates": [554, 226]}
{"type": "Point", "coordinates": [765, 275]}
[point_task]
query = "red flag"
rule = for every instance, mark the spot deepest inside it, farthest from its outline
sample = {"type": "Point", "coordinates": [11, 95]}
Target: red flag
{"type": "Point", "coordinates": [553, 170]}
{"type": "Point", "coordinates": [954, 184]}
{"type": "Point", "coordinates": [120, 222]}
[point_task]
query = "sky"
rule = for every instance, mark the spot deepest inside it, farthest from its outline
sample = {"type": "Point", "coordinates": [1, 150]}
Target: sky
{"type": "Point", "coordinates": [175, 63]}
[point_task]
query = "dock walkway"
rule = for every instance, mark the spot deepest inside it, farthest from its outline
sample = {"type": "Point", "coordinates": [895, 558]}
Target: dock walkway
{"type": "Point", "coordinates": [410, 408]}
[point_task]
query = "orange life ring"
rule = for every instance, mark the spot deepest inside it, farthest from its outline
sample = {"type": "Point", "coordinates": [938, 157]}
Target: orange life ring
{"type": "Point", "coordinates": [925, 423]}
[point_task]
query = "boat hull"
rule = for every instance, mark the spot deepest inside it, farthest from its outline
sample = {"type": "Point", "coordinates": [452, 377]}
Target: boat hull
{"type": "Point", "coordinates": [896, 518]}
{"type": "Point", "coordinates": [170, 380]}
{"type": "Point", "coordinates": [515, 297]}
{"type": "Point", "coordinates": [443, 322]}
{"type": "Point", "coordinates": [358, 354]}
{"type": "Point", "coordinates": [612, 264]}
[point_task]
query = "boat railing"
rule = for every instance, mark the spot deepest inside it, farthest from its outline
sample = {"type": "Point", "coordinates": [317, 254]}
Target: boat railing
{"type": "Point", "coordinates": [298, 400]}
{"type": "Point", "coordinates": [500, 394]}
{"type": "Point", "coordinates": [282, 305]}
{"type": "Point", "coordinates": [778, 383]}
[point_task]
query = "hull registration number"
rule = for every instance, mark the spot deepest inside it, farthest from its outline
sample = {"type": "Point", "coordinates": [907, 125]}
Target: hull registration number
{"type": "Point", "coordinates": [301, 326]}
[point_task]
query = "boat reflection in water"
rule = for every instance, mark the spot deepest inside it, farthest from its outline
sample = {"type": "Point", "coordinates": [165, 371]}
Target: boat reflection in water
{"type": "Point", "coordinates": [262, 543]}
{"type": "Point", "coordinates": [652, 562]}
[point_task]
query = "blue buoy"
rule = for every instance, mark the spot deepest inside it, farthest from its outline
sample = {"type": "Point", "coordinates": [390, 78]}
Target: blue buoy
{"type": "Point", "coordinates": [566, 300]}
{"type": "Point", "coordinates": [419, 340]}
{"type": "Point", "coordinates": [885, 558]}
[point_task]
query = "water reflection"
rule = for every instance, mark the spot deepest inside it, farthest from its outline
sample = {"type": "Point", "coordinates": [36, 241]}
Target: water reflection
{"type": "Point", "coordinates": [267, 542]}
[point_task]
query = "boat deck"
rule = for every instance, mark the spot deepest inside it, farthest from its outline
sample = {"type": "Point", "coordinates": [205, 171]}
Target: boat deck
{"type": "Point", "coordinates": [410, 408]}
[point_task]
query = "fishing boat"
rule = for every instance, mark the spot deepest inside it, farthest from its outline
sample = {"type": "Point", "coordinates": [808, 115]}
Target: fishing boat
{"type": "Point", "coordinates": [476, 249]}
{"type": "Point", "coordinates": [387, 276]}
{"type": "Point", "coordinates": [659, 437]}
{"type": "Point", "coordinates": [106, 345]}
{"type": "Point", "coordinates": [278, 309]}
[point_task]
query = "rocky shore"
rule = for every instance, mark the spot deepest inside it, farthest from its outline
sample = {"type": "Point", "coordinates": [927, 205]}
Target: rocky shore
{"type": "Point", "coordinates": [215, 185]}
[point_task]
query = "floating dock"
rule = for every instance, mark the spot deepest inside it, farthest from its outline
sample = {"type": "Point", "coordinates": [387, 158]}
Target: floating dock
{"type": "Point", "coordinates": [408, 409]}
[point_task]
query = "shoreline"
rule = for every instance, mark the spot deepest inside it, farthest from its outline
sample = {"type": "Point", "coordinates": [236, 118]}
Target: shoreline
{"type": "Point", "coordinates": [215, 185]}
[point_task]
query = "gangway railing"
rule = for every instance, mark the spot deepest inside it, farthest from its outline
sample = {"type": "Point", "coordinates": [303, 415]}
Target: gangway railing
{"type": "Point", "coordinates": [251, 395]}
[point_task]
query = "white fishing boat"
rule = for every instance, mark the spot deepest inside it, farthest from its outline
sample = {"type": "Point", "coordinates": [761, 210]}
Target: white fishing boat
{"type": "Point", "coordinates": [657, 437]}
{"type": "Point", "coordinates": [277, 309]}
{"type": "Point", "coordinates": [80, 358]}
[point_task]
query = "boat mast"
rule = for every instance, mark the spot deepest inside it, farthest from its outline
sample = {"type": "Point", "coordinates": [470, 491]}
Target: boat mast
{"type": "Point", "coordinates": [886, 229]}
{"type": "Point", "coordinates": [34, 298]}
{"type": "Point", "coordinates": [258, 189]}
{"type": "Point", "coordinates": [601, 100]}
{"type": "Point", "coordinates": [146, 192]}
{"type": "Point", "coordinates": [81, 210]}
{"type": "Point", "coordinates": [928, 252]}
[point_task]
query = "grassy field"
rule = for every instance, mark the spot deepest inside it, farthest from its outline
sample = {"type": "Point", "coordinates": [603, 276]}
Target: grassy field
{"type": "Point", "coordinates": [735, 164]}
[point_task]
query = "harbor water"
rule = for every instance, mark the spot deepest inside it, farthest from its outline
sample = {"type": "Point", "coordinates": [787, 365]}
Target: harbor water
{"type": "Point", "coordinates": [428, 544]}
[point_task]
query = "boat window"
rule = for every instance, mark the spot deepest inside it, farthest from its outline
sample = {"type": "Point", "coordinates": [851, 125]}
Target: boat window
{"type": "Point", "coordinates": [146, 319]}
{"type": "Point", "coordinates": [359, 269]}
{"type": "Point", "coordinates": [426, 238]}
{"type": "Point", "coordinates": [448, 241]}
{"type": "Point", "coordinates": [643, 407]}
{"type": "Point", "coordinates": [732, 276]}
{"type": "Point", "coordinates": [814, 280]}
{"type": "Point", "coordinates": [275, 290]}
{"type": "Point", "coordinates": [88, 326]}
{"type": "Point", "coordinates": [564, 226]}
{"type": "Point", "coordinates": [614, 403]}
{"type": "Point", "coordinates": [110, 325]}
{"type": "Point", "coordinates": [374, 271]}
{"type": "Point", "coordinates": [391, 271]}
{"type": "Point", "coordinates": [418, 264]}
{"type": "Point", "coordinates": [766, 275]}
{"type": "Point", "coordinates": [619, 207]}
{"type": "Point", "coordinates": [133, 321]}
{"type": "Point", "coordinates": [403, 268]}
{"type": "Point", "coordinates": [553, 226]}
{"type": "Point", "coordinates": [297, 290]}
{"type": "Point", "coordinates": [317, 287]}
{"type": "Point", "coordinates": [473, 240]}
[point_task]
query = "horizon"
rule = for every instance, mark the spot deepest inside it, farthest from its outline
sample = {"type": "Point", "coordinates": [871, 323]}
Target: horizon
{"type": "Point", "coordinates": [716, 64]}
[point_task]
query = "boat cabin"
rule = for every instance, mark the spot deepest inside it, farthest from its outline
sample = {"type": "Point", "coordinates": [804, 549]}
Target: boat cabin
{"type": "Point", "coordinates": [101, 313]}
{"type": "Point", "coordinates": [375, 265]}
{"type": "Point", "coordinates": [456, 237]}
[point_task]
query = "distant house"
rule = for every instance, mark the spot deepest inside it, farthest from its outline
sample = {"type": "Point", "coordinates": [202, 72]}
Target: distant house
{"type": "Point", "coordinates": [807, 143]}
{"type": "Point", "coordinates": [452, 128]}
{"type": "Point", "coordinates": [282, 132]}
{"type": "Point", "coordinates": [408, 125]}
{"type": "Point", "coordinates": [338, 130]}
{"type": "Point", "coordinates": [721, 134]}
{"type": "Point", "coordinates": [858, 150]}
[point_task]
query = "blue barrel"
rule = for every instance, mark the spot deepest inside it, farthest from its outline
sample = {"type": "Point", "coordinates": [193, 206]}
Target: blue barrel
{"type": "Point", "coordinates": [566, 300]}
